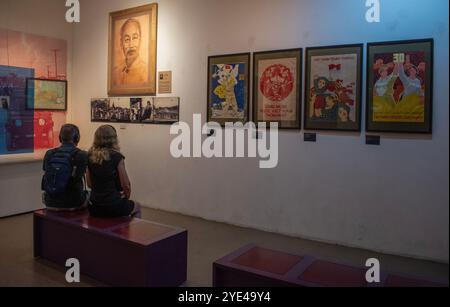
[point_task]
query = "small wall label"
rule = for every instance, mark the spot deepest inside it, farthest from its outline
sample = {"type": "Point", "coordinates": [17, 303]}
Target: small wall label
{"type": "Point", "coordinates": [310, 137]}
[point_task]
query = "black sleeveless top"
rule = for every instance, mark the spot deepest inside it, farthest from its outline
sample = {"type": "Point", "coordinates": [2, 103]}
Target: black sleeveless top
{"type": "Point", "coordinates": [106, 187]}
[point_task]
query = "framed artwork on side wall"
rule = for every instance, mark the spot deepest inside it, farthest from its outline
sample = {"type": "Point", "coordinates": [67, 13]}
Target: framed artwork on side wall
{"type": "Point", "coordinates": [228, 88]}
{"type": "Point", "coordinates": [400, 86]}
{"type": "Point", "coordinates": [277, 79]}
{"type": "Point", "coordinates": [132, 51]}
{"type": "Point", "coordinates": [333, 88]}
{"type": "Point", "coordinates": [29, 126]}
{"type": "Point", "coordinates": [46, 95]}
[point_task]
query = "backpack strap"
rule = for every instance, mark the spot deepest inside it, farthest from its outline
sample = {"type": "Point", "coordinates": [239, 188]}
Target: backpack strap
{"type": "Point", "coordinates": [72, 153]}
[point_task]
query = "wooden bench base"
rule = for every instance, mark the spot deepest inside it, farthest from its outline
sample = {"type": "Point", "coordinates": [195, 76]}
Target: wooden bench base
{"type": "Point", "coordinates": [253, 266]}
{"type": "Point", "coordinates": [117, 252]}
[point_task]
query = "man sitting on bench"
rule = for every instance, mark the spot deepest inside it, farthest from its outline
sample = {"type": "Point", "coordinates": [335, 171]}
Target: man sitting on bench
{"type": "Point", "coordinates": [64, 169]}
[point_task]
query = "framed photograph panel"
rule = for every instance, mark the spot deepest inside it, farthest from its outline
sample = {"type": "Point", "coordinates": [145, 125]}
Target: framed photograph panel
{"type": "Point", "coordinates": [333, 88]}
{"type": "Point", "coordinates": [400, 87]}
{"type": "Point", "coordinates": [136, 110]}
{"type": "Point", "coordinates": [228, 88]}
{"type": "Point", "coordinates": [277, 79]}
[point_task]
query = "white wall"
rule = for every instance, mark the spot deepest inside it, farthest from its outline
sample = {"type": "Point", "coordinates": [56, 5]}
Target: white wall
{"type": "Point", "coordinates": [393, 198]}
{"type": "Point", "coordinates": [20, 183]}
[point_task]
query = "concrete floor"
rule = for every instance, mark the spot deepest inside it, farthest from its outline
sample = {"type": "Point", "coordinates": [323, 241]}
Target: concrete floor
{"type": "Point", "coordinates": [208, 241]}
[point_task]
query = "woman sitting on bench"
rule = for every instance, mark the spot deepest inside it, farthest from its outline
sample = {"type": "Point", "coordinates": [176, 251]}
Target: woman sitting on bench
{"type": "Point", "coordinates": [108, 178]}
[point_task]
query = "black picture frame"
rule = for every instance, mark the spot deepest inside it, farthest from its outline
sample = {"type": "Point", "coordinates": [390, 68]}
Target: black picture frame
{"type": "Point", "coordinates": [28, 95]}
{"type": "Point", "coordinates": [279, 55]}
{"type": "Point", "coordinates": [401, 47]}
{"type": "Point", "coordinates": [151, 121]}
{"type": "Point", "coordinates": [334, 50]}
{"type": "Point", "coordinates": [229, 59]}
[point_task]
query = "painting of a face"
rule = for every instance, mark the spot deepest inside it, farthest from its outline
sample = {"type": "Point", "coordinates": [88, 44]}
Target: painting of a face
{"type": "Point", "coordinates": [413, 73]}
{"type": "Point", "coordinates": [331, 101]}
{"type": "Point", "coordinates": [227, 73]}
{"type": "Point", "coordinates": [131, 39]}
{"type": "Point", "coordinates": [321, 84]}
{"type": "Point", "coordinates": [132, 51]}
{"type": "Point", "coordinates": [422, 67]}
{"type": "Point", "coordinates": [343, 115]}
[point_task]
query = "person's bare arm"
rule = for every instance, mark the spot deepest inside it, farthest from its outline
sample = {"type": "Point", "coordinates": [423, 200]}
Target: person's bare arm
{"type": "Point", "coordinates": [88, 179]}
{"type": "Point", "coordinates": [124, 180]}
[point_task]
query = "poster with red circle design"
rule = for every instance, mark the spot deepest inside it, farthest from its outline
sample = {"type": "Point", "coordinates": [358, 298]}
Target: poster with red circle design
{"type": "Point", "coordinates": [277, 90]}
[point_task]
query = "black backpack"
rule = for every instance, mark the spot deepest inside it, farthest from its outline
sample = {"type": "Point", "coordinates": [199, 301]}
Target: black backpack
{"type": "Point", "coordinates": [59, 171]}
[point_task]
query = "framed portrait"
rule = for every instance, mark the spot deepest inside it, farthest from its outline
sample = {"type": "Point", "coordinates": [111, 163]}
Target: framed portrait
{"type": "Point", "coordinates": [333, 88]}
{"type": "Point", "coordinates": [228, 88]}
{"type": "Point", "coordinates": [46, 95]}
{"type": "Point", "coordinates": [132, 51]}
{"type": "Point", "coordinates": [400, 86]}
{"type": "Point", "coordinates": [277, 79]}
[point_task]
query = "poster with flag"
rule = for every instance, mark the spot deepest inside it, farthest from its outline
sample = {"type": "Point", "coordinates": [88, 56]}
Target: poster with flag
{"type": "Point", "coordinates": [333, 85]}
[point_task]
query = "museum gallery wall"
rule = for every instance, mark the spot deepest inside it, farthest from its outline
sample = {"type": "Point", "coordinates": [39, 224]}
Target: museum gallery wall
{"type": "Point", "coordinates": [334, 181]}
{"type": "Point", "coordinates": [398, 89]}
{"type": "Point", "coordinates": [300, 195]}
{"type": "Point", "coordinates": [33, 93]}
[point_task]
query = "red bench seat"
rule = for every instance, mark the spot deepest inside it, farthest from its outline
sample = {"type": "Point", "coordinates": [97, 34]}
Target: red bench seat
{"type": "Point", "coordinates": [117, 252]}
{"type": "Point", "coordinates": [254, 266]}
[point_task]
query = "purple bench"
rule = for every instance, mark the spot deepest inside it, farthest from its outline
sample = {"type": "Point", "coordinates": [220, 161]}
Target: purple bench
{"type": "Point", "coordinates": [253, 266]}
{"type": "Point", "coordinates": [117, 252]}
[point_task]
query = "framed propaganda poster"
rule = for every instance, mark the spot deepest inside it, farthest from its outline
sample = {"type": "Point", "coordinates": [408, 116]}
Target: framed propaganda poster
{"type": "Point", "coordinates": [333, 88]}
{"type": "Point", "coordinates": [132, 51]}
{"type": "Point", "coordinates": [277, 87]}
{"type": "Point", "coordinates": [400, 86]}
{"type": "Point", "coordinates": [228, 88]}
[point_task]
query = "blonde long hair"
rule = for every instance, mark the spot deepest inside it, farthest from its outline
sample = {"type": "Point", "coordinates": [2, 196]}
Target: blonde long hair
{"type": "Point", "coordinates": [105, 141]}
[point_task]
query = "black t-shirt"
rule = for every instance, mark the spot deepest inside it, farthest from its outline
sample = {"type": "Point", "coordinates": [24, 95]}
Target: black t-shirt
{"type": "Point", "coordinates": [74, 195]}
{"type": "Point", "coordinates": [106, 187]}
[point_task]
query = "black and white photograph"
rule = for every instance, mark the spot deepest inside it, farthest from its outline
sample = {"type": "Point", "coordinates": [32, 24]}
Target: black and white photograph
{"type": "Point", "coordinates": [138, 110]}
{"type": "Point", "coordinates": [111, 110]}
{"type": "Point", "coordinates": [166, 110]}
{"type": "Point", "coordinates": [147, 110]}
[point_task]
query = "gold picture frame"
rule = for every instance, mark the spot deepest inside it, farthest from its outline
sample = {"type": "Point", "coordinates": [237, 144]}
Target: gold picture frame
{"type": "Point", "coordinates": [132, 51]}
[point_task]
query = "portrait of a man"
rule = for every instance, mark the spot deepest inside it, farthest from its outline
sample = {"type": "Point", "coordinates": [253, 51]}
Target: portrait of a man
{"type": "Point", "coordinates": [132, 69]}
{"type": "Point", "coordinates": [132, 51]}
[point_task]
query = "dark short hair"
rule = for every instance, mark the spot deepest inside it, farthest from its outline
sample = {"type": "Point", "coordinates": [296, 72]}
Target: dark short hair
{"type": "Point", "coordinates": [69, 133]}
{"type": "Point", "coordinates": [345, 107]}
